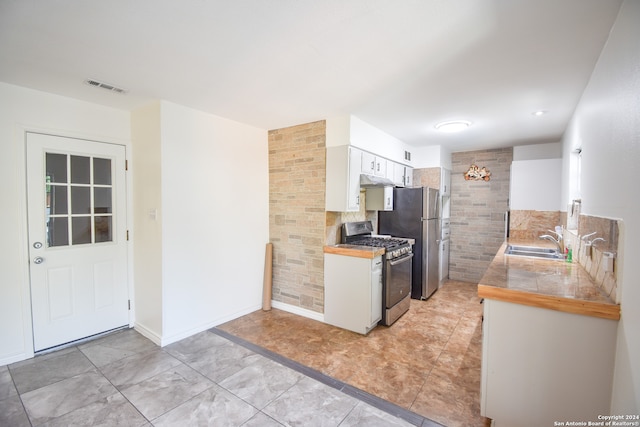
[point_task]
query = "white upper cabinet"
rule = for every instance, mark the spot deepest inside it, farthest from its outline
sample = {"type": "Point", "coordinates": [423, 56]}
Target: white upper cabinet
{"type": "Point", "coordinates": [373, 165]}
{"type": "Point", "coordinates": [445, 182]}
{"type": "Point", "coordinates": [408, 176]}
{"type": "Point", "coordinates": [381, 166]}
{"type": "Point", "coordinates": [368, 163]}
{"type": "Point", "coordinates": [343, 179]}
{"type": "Point", "coordinates": [346, 163]}
{"type": "Point", "coordinates": [402, 175]}
{"type": "Point", "coordinates": [379, 199]}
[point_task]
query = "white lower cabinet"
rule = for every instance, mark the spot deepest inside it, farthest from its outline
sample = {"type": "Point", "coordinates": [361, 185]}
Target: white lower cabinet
{"type": "Point", "coordinates": [541, 367]}
{"type": "Point", "coordinates": [352, 292]}
{"type": "Point", "coordinates": [444, 260]}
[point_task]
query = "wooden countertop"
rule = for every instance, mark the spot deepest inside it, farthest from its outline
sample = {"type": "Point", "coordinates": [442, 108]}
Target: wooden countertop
{"type": "Point", "coordinates": [551, 284]}
{"type": "Point", "coordinates": [354, 251]}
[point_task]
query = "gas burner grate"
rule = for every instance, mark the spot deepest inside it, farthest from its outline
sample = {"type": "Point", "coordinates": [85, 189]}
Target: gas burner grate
{"type": "Point", "coordinates": [379, 242]}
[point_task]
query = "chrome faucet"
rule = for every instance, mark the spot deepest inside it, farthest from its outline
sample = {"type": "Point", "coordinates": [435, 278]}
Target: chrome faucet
{"type": "Point", "coordinates": [559, 235]}
{"type": "Point", "coordinates": [553, 239]}
{"type": "Point", "coordinates": [588, 242]}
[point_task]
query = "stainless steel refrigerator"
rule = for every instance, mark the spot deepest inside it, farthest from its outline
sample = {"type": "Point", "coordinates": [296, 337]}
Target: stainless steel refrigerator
{"type": "Point", "coordinates": [415, 215]}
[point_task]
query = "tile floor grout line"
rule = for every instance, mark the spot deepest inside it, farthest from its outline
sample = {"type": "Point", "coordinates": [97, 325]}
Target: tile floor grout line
{"type": "Point", "coordinates": [381, 404]}
{"type": "Point", "coordinates": [118, 391]}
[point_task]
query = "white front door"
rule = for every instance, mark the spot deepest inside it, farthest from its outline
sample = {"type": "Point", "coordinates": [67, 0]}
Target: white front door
{"type": "Point", "coordinates": [77, 238]}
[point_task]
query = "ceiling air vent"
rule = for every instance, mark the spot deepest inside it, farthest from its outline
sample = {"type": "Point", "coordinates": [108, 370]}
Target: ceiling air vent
{"type": "Point", "coordinates": [105, 86]}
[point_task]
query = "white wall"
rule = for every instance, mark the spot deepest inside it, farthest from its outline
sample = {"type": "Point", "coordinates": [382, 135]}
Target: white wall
{"type": "Point", "coordinates": [207, 176]}
{"type": "Point", "coordinates": [147, 218]}
{"type": "Point", "coordinates": [215, 219]}
{"type": "Point", "coordinates": [428, 157]}
{"type": "Point", "coordinates": [21, 110]}
{"type": "Point", "coordinates": [606, 125]}
{"type": "Point", "coordinates": [552, 150]}
{"type": "Point", "coordinates": [536, 185]}
{"type": "Point", "coordinates": [350, 130]}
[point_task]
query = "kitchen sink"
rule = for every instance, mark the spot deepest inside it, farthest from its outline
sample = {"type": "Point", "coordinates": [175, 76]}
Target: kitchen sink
{"type": "Point", "coordinates": [533, 252]}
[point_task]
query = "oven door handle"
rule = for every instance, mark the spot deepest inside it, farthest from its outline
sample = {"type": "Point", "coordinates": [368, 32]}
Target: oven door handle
{"type": "Point", "coordinates": [401, 260]}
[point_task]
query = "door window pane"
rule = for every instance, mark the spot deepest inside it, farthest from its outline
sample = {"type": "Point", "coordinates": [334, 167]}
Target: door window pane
{"type": "Point", "coordinates": [80, 170]}
{"type": "Point", "coordinates": [80, 200]}
{"type": "Point", "coordinates": [103, 229]}
{"type": "Point", "coordinates": [101, 200]}
{"type": "Point", "coordinates": [101, 171]}
{"type": "Point", "coordinates": [58, 232]}
{"type": "Point", "coordinates": [56, 167]}
{"type": "Point", "coordinates": [80, 230]}
{"type": "Point", "coordinates": [57, 200]}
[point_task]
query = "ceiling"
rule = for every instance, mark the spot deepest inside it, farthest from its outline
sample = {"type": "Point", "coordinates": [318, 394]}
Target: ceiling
{"type": "Point", "coordinates": [400, 65]}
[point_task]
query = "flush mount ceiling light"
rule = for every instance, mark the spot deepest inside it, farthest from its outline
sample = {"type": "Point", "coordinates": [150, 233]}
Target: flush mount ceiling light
{"type": "Point", "coordinates": [539, 113]}
{"type": "Point", "coordinates": [453, 126]}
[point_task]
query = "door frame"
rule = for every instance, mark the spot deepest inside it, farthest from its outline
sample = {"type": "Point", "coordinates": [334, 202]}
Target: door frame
{"type": "Point", "coordinates": [21, 166]}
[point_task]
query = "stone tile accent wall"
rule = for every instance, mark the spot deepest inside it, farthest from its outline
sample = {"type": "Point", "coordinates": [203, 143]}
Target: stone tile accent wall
{"type": "Point", "coordinates": [529, 225]}
{"type": "Point", "coordinates": [427, 177]}
{"type": "Point", "coordinates": [477, 212]}
{"type": "Point", "coordinates": [297, 167]}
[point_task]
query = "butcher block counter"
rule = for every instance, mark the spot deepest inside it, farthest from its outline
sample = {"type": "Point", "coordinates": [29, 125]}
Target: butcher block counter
{"type": "Point", "coordinates": [354, 250]}
{"type": "Point", "coordinates": [551, 284]}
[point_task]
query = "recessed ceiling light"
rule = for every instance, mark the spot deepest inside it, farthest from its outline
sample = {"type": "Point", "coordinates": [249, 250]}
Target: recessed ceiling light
{"type": "Point", "coordinates": [453, 126]}
{"type": "Point", "coordinates": [540, 112]}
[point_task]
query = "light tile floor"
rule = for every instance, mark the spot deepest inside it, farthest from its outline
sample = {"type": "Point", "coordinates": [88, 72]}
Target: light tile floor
{"type": "Point", "coordinates": [209, 379]}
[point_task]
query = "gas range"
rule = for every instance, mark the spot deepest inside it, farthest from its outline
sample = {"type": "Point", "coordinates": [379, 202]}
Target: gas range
{"type": "Point", "coordinates": [361, 234]}
{"type": "Point", "coordinates": [394, 247]}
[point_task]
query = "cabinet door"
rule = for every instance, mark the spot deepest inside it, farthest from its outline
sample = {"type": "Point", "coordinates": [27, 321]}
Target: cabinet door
{"type": "Point", "coordinates": [408, 176]}
{"type": "Point", "coordinates": [353, 195]}
{"type": "Point", "coordinates": [381, 167]}
{"type": "Point", "coordinates": [376, 291]}
{"type": "Point", "coordinates": [368, 163]}
{"type": "Point", "coordinates": [445, 182]}
{"type": "Point", "coordinates": [388, 198]}
{"type": "Point", "coordinates": [398, 175]}
{"type": "Point", "coordinates": [444, 260]}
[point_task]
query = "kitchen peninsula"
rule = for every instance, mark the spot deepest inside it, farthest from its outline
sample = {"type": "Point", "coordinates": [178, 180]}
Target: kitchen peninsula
{"type": "Point", "coordinates": [549, 336]}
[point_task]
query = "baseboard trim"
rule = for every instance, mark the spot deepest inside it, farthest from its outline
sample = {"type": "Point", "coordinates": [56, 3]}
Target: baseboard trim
{"type": "Point", "coordinates": [298, 310]}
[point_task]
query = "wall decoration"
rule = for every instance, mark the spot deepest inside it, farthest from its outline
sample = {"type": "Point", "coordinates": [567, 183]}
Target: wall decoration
{"type": "Point", "coordinates": [477, 174]}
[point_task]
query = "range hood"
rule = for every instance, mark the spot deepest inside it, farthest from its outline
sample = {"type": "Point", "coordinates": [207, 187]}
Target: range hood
{"type": "Point", "coordinates": [375, 181]}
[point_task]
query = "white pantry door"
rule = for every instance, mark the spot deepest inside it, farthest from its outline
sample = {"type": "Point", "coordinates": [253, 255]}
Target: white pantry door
{"type": "Point", "coordinates": [77, 238]}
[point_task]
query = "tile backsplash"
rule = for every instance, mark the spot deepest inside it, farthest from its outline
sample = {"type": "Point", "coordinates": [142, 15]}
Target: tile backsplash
{"type": "Point", "coordinates": [336, 219]}
{"type": "Point", "coordinates": [600, 259]}
{"type": "Point", "coordinates": [530, 224]}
